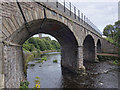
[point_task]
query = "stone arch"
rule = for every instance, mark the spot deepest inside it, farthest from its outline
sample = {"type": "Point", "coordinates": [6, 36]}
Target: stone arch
{"type": "Point", "coordinates": [66, 38]}
{"type": "Point", "coordinates": [98, 46]}
{"type": "Point", "coordinates": [55, 28]}
{"type": "Point", "coordinates": [89, 49]}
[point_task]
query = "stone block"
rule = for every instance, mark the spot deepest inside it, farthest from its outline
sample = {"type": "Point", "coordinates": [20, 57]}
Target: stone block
{"type": "Point", "coordinates": [1, 81]}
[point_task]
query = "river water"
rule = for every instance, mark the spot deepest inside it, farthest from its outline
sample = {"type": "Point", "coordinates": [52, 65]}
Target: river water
{"type": "Point", "coordinates": [99, 75]}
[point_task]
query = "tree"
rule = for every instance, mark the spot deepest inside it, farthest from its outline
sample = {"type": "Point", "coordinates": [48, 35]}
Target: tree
{"type": "Point", "coordinates": [108, 30]}
{"type": "Point", "coordinates": [117, 33]}
{"type": "Point", "coordinates": [35, 43]}
{"type": "Point", "coordinates": [113, 33]}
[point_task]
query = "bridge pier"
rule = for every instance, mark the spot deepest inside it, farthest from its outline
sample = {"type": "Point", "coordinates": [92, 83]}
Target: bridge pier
{"type": "Point", "coordinates": [1, 60]}
{"type": "Point", "coordinates": [72, 59]}
{"type": "Point", "coordinates": [96, 58]}
{"type": "Point", "coordinates": [81, 67]}
{"type": "Point", "coordinates": [13, 66]}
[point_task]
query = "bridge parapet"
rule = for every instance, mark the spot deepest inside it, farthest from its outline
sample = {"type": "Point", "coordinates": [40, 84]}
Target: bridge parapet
{"type": "Point", "coordinates": [66, 10]}
{"type": "Point", "coordinates": [70, 11]}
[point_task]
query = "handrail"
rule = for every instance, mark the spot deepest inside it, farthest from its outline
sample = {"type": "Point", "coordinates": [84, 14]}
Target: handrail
{"type": "Point", "coordinates": [73, 12]}
{"type": "Point", "coordinates": [79, 14]}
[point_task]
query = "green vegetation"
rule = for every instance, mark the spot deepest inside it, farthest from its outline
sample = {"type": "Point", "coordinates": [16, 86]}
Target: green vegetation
{"type": "Point", "coordinates": [36, 47]}
{"type": "Point", "coordinates": [37, 82]}
{"type": "Point", "coordinates": [113, 59]}
{"type": "Point", "coordinates": [32, 65]}
{"type": "Point", "coordinates": [44, 58]}
{"type": "Point", "coordinates": [24, 84]}
{"type": "Point", "coordinates": [103, 57]}
{"type": "Point", "coordinates": [55, 61]}
{"type": "Point", "coordinates": [116, 62]}
{"type": "Point", "coordinates": [37, 44]}
{"type": "Point", "coordinates": [112, 33]}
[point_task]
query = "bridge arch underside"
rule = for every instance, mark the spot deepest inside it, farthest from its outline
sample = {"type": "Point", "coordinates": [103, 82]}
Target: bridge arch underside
{"type": "Point", "coordinates": [98, 46]}
{"type": "Point", "coordinates": [89, 49]}
{"type": "Point", "coordinates": [56, 29]}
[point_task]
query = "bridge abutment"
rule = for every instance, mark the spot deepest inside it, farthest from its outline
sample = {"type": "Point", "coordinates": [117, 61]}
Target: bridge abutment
{"type": "Point", "coordinates": [1, 62]}
{"type": "Point", "coordinates": [13, 66]}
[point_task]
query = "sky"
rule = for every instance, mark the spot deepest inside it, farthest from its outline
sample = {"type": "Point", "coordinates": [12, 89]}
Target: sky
{"type": "Point", "coordinates": [100, 12]}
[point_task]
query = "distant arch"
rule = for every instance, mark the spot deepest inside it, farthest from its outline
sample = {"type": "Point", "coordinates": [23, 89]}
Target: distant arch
{"type": "Point", "coordinates": [98, 46]}
{"type": "Point", "coordinates": [89, 48]}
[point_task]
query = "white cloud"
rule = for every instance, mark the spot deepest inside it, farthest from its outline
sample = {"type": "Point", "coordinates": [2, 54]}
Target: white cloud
{"type": "Point", "coordinates": [100, 13]}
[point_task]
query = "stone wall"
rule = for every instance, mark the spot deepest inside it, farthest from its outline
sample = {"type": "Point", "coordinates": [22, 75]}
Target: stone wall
{"type": "Point", "coordinates": [13, 66]}
{"type": "Point", "coordinates": [1, 57]}
{"type": "Point", "coordinates": [108, 47]}
{"type": "Point", "coordinates": [70, 32]}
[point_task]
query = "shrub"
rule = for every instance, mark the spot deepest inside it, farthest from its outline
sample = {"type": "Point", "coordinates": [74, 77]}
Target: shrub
{"type": "Point", "coordinates": [24, 84]}
{"type": "Point", "coordinates": [55, 61]}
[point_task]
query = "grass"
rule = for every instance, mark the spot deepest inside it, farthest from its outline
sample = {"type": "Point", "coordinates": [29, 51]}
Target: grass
{"type": "Point", "coordinates": [31, 65]}
{"type": "Point", "coordinates": [44, 58]}
{"type": "Point", "coordinates": [55, 61]}
{"type": "Point", "coordinates": [104, 58]}
{"type": "Point", "coordinates": [114, 59]}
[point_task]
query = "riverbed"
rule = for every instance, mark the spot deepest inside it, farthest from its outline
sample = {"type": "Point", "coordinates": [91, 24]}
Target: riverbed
{"type": "Point", "coordinates": [99, 75]}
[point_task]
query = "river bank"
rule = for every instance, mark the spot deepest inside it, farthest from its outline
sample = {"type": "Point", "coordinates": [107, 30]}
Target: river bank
{"type": "Point", "coordinates": [99, 75]}
{"type": "Point", "coordinates": [28, 56]}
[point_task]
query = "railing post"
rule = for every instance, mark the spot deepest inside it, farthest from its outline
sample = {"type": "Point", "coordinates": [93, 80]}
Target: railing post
{"type": "Point", "coordinates": [70, 8]}
{"type": "Point", "coordinates": [75, 11]}
{"type": "Point", "coordinates": [79, 15]}
{"type": "Point", "coordinates": [82, 17]}
{"type": "Point", "coordinates": [64, 5]}
{"type": "Point", "coordinates": [57, 3]}
{"type": "Point", "coordinates": [87, 21]}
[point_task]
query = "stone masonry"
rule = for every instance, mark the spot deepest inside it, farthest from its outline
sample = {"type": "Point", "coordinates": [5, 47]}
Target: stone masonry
{"type": "Point", "coordinates": [22, 20]}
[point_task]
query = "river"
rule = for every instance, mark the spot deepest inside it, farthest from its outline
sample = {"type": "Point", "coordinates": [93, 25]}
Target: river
{"type": "Point", "coordinates": [99, 75]}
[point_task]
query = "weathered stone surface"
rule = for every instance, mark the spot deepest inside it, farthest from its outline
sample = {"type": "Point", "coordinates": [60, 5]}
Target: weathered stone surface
{"type": "Point", "coordinates": [108, 47]}
{"type": "Point", "coordinates": [13, 66]}
{"type": "Point", "coordinates": [43, 18]}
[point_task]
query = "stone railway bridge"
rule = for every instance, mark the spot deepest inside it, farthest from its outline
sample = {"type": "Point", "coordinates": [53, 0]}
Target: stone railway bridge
{"type": "Point", "coordinates": [20, 20]}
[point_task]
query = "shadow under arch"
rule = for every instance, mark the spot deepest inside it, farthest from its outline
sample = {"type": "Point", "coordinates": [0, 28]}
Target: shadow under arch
{"type": "Point", "coordinates": [60, 31]}
{"type": "Point", "coordinates": [98, 46]}
{"type": "Point", "coordinates": [89, 49]}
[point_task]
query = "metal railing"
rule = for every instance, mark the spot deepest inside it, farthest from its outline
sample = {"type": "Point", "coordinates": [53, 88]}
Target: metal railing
{"type": "Point", "coordinates": [77, 14]}
{"type": "Point", "coordinates": [68, 8]}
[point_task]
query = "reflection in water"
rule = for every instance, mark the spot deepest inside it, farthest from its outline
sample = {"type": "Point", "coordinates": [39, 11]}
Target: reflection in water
{"type": "Point", "coordinates": [100, 75]}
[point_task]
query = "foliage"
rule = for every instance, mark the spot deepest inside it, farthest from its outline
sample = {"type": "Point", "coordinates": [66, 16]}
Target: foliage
{"type": "Point", "coordinates": [110, 39]}
{"type": "Point", "coordinates": [37, 82]}
{"type": "Point", "coordinates": [24, 84]}
{"type": "Point", "coordinates": [108, 30]}
{"type": "Point", "coordinates": [113, 34]}
{"type": "Point", "coordinates": [37, 44]}
{"type": "Point", "coordinates": [44, 58]}
{"type": "Point", "coordinates": [104, 58]}
{"type": "Point", "coordinates": [55, 61]}
{"type": "Point", "coordinates": [115, 62]}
